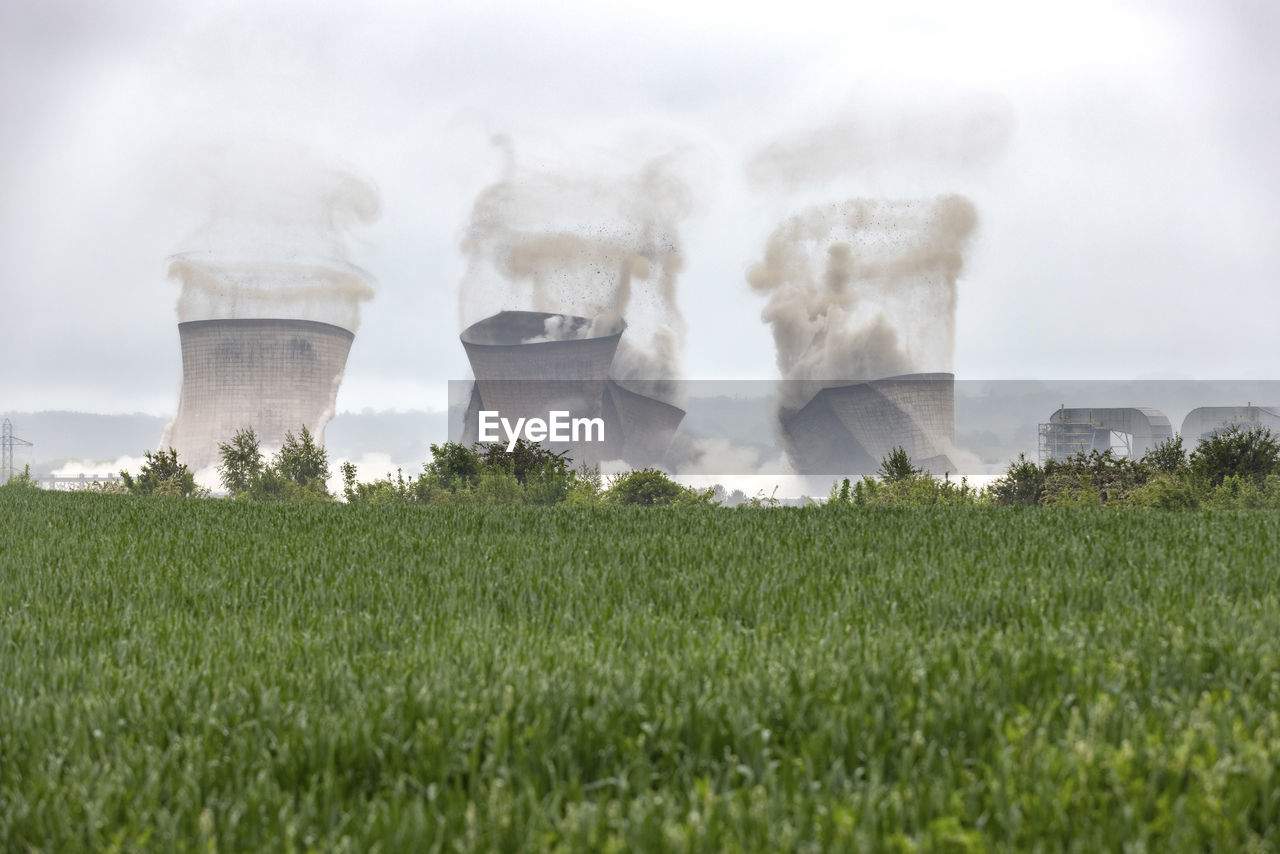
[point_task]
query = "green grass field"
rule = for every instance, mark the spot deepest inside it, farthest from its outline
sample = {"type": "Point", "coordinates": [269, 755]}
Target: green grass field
{"type": "Point", "coordinates": [211, 675]}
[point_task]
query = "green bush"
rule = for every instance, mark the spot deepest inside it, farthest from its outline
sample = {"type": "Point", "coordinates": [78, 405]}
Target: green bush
{"type": "Point", "coordinates": [21, 481]}
{"type": "Point", "coordinates": [163, 475]}
{"type": "Point", "coordinates": [649, 487]}
{"type": "Point", "coordinates": [1021, 486]}
{"type": "Point", "coordinates": [297, 472]}
{"type": "Point", "coordinates": [1245, 452]}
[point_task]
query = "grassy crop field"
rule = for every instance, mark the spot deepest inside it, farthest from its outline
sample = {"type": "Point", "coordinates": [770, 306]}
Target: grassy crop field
{"type": "Point", "coordinates": [213, 675]}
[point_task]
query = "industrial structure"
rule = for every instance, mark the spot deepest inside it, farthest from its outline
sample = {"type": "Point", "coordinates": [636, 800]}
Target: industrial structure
{"type": "Point", "coordinates": [1127, 431]}
{"type": "Point", "coordinates": [1207, 421]}
{"type": "Point", "coordinates": [850, 429]}
{"type": "Point", "coordinates": [530, 363]}
{"type": "Point", "coordinates": [272, 375]}
{"type": "Point", "coordinates": [8, 442]}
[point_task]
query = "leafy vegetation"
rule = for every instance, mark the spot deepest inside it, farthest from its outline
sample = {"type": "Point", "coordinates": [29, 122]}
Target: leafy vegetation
{"type": "Point", "coordinates": [297, 472]}
{"type": "Point", "coordinates": [1237, 468]}
{"type": "Point", "coordinates": [162, 475]}
{"type": "Point", "coordinates": [231, 675]}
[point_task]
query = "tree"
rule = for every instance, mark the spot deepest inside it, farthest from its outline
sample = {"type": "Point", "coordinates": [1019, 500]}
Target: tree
{"type": "Point", "coordinates": [525, 458]}
{"type": "Point", "coordinates": [649, 487]}
{"type": "Point", "coordinates": [453, 465]}
{"type": "Point", "coordinates": [897, 467]}
{"type": "Point", "coordinates": [1246, 452]}
{"type": "Point", "coordinates": [304, 463]}
{"type": "Point", "coordinates": [1022, 485]}
{"type": "Point", "coordinates": [1167, 456]}
{"type": "Point", "coordinates": [162, 474]}
{"type": "Point", "coordinates": [242, 463]}
{"type": "Point", "coordinates": [22, 481]}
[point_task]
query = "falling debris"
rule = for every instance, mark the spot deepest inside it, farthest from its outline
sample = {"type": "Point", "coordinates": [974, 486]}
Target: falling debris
{"type": "Point", "coordinates": [863, 289]}
{"type": "Point", "coordinates": [964, 129]}
{"type": "Point", "coordinates": [573, 244]}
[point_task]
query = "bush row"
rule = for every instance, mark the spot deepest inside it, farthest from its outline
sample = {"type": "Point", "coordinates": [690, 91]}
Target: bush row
{"type": "Point", "coordinates": [1236, 468]}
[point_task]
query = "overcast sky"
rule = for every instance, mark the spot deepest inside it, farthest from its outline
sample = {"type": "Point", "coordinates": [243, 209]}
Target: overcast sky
{"type": "Point", "coordinates": [1121, 160]}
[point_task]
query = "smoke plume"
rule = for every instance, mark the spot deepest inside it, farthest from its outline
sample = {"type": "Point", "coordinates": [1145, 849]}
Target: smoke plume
{"type": "Point", "coordinates": [863, 289]}
{"type": "Point", "coordinates": [956, 132]}
{"type": "Point", "coordinates": [604, 246]}
{"type": "Point", "coordinates": [276, 240]}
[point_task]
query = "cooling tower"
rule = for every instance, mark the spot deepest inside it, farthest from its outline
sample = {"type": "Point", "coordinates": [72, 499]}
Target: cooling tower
{"type": "Point", "coordinates": [849, 430]}
{"type": "Point", "coordinates": [1083, 430]}
{"type": "Point", "coordinates": [274, 376]}
{"type": "Point", "coordinates": [1206, 421]}
{"type": "Point", "coordinates": [529, 363]}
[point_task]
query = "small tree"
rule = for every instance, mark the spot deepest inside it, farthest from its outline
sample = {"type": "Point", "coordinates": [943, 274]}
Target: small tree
{"type": "Point", "coordinates": [304, 463]}
{"type": "Point", "coordinates": [1168, 456]}
{"type": "Point", "coordinates": [1022, 485]}
{"type": "Point", "coordinates": [162, 474]}
{"type": "Point", "coordinates": [897, 467]}
{"type": "Point", "coordinates": [453, 465]}
{"type": "Point", "coordinates": [242, 463]}
{"type": "Point", "coordinates": [647, 487]}
{"type": "Point", "coordinates": [525, 458]}
{"type": "Point", "coordinates": [22, 481]}
{"type": "Point", "coordinates": [1246, 452]}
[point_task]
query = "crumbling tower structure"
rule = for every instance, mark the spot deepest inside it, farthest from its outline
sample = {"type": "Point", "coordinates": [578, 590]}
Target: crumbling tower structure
{"type": "Point", "coordinates": [849, 429]}
{"type": "Point", "coordinates": [528, 363]}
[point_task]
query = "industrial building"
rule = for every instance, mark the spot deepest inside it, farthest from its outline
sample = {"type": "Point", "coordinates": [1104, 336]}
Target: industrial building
{"type": "Point", "coordinates": [850, 429]}
{"type": "Point", "coordinates": [529, 363]}
{"type": "Point", "coordinates": [272, 375]}
{"type": "Point", "coordinates": [1207, 421]}
{"type": "Point", "coordinates": [1130, 431]}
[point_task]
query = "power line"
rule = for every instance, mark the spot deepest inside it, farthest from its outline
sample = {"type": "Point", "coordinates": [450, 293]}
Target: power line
{"type": "Point", "coordinates": [7, 443]}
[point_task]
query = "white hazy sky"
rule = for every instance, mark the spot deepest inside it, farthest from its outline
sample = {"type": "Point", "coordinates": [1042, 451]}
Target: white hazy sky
{"type": "Point", "coordinates": [1129, 216]}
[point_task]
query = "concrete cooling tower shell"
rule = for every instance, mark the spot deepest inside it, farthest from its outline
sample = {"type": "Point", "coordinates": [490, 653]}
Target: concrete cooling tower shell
{"type": "Point", "coordinates": [522, 376]}
{"type": "Point", "coordinates": [274, 376]}
{"type": "Point", "coordinates": [529, 363]}
{"type": "Point", "coordinates": [513, 345]}
{"type": "Point", "coordinates": [646, 426]}
{"type": "Point", "coordinates": [849, 430]}
{"type": "Point", "coordinates": [1204, 422]}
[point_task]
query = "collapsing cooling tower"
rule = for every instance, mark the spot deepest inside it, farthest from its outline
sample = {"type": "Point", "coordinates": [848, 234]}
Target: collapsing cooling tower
{"type": "Point", "coordinates": [272, 375]}
{"type": "Point", "coordinates": [530, 363]}
{"type": "Point", "coordinates": [850, 429]}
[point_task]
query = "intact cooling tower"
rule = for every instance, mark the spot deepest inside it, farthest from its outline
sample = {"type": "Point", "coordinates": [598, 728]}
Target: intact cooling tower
{"type": "Point", "coordinates": [274, 376]}
{"type": "Point", "coordinates": [529, 363]}
{"type": "Point", "coordinates": [849, 430]}
{"type": "Point", "coordinates": [1207, 421]}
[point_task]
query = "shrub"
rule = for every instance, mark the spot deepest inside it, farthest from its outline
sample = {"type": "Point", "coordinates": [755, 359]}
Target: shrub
{"type": "Point", "coordinates": [1167, 456]}
{"type": "Point", "coordinates": [1022, 485]}
{"type": "Point", "coordinates": [649, 487]}
{"type": "Point", "coordinates": [1245, 452]}
{"type": "Point", "coordinates": [453, 465]}
{"type": "Point", "coordinates": [22, 481]}
{"type": "Point", "coordinates": [162, 474]}
{"type": "Point", "coordinates": [1167, 492]}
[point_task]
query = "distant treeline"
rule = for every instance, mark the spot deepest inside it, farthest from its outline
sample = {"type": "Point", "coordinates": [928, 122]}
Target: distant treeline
{"type": "Point", "coordinates": [1237, 468]}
